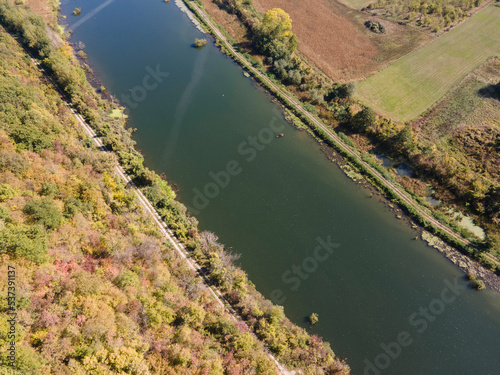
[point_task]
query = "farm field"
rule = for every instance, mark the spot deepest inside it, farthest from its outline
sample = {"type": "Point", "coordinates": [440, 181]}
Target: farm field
{"type": "Point", "coordinates": [356, 4]}
{"type": "Point", "coordinates": [411, 85]}
{"type": "Point", "coordinates": [334, 38]}
{"type": "Point", "coordinates": [466, 122]}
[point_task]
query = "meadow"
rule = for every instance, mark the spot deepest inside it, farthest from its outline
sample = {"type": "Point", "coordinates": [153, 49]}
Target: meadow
{"type": "Point", "coordinates": [356, 4]}
{"type": "Point", "coordinates": [466, 123]}
{"type": "Point", "coordinates": [411, 85]}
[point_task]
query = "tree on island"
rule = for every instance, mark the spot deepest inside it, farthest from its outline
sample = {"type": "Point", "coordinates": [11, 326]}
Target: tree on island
{"type": "Point", "coordinates": [200, 43]}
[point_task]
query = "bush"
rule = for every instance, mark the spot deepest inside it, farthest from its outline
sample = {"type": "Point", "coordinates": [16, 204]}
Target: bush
{"type": "Point", "coordinates": [200, 43]}
{"type": "Point", "coordinates": [375, 26]}
{"type": "Point", "coordinates": [313, 318]}
{"type": "Point", "coordinates": [478, 284]}
{"type": "Point", "coordinates": [44, 211]}
{"type": "Point", "coordinates": [310, 108]}
{"type": "Point", "coordinates": [348, 141]}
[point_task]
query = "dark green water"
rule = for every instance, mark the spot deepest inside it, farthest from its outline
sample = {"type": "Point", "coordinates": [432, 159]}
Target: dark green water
{"type": "Point", "coordinates": [282, 196]}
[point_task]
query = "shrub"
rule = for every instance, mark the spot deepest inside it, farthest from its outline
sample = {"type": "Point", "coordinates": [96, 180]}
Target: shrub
{"type": "Point", "coordinates": [478, 284]}
{"type": "Point", "coordinates": [44, 211]}
{"type": "Point", "coordinates": [313, 318]}
{"type": "Point", "coordinates": [375, 26]}
{"type": "Point", "coordinates": [200, 43]}
{"type": "Point", "coordinates": [348, 141]}
{"type": "Point", "coordinates": [310, 108]}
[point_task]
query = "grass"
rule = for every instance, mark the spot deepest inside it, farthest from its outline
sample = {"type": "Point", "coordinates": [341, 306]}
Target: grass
{"type": "Point", "coordinates": [117, 113]}
{"type": "Point", "coordinates": [412, 84]}
{"type": "Point", "coordinates": [466, 123]}
{"type": "Point", "coordinates": [356, 4]}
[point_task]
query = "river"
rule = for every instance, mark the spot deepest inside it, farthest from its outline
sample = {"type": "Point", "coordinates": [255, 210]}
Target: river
{"type": "Point", "coordinates": [308, 236]}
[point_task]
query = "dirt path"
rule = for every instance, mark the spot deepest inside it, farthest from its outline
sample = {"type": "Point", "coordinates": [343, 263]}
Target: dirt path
{"type": "Point", "coordinates": [344, 147]}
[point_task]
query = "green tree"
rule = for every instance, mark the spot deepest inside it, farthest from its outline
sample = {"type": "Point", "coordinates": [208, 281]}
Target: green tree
{"type": "Point", "coordinates": [28, 241]}
{"type": "Point", "coordinates": [127, 278]}
{"type": "Point", "coordinates": [44, 211]}
{"type": "Point", "coordinates": [404, 138]}
{"type": "Point", "coordinates": [243, 343]}
{"type": "Point", "coordinates": [492, 201]}
{"type": "Point", "coordinates": [364, 118]}
{"type": "Point", "coordinates": [50, 189]}
{"type": "Point", "coordinates": [7, 192]}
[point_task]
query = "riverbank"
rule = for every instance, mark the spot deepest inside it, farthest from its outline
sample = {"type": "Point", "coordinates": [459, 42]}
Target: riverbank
{"type": "Point", "coordinates": [375, 173]}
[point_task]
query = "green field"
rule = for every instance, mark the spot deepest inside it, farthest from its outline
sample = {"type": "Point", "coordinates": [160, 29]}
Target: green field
{"type": "Point", "coordinates": [412, 84]}
{"type": "Point", "coordinates": [356, 4]}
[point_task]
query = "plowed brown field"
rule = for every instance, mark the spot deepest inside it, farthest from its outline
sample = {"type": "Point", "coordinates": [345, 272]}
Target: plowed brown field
{"type": "Point", "coordinates": [334, 38]}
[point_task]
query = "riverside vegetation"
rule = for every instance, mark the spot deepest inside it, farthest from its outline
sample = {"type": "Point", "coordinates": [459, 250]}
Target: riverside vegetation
{"type": "Point", "coordinates": [434, 15]}
{"type": "Point", "coordinates": [270, 46]}
{"type": "Point", "coordinates": [97, 290]}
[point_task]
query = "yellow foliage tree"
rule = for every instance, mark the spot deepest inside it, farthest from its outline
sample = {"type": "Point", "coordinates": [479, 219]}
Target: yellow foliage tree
{"type": "Point", "coordinates": [277, 24]}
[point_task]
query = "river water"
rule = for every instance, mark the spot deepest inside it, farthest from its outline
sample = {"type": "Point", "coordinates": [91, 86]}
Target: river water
{"type": "Point", "coordinates": [309, 237]}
